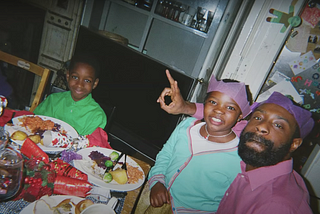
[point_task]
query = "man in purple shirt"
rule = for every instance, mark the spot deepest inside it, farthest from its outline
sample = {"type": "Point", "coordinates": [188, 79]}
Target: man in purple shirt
{"type": "Point", "coordinates": [267, 183]}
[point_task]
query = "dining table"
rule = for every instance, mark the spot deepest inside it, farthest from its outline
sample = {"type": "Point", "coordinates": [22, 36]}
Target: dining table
{"type": "Point", "coordinates": [127, 200]}
{"type": "Point", "coordinates": [132, 196]}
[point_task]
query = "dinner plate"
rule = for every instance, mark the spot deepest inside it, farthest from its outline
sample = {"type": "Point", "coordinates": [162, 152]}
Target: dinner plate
{"type": "Point", "coordinates": [70, 131]}
{"type": "Point", "coordinates": [84, 166]}
{"type": "Point", "coordinates": [54, 200]}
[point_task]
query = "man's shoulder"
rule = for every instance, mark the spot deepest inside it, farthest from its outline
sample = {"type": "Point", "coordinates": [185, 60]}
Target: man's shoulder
{"type": "Point", "coordinates": [291, 184]}
{"type": "Point", "coordinates": [290, 191]}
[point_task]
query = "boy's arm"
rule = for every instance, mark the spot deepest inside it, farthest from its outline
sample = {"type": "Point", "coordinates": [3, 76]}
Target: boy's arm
{"type": "Point", "coordinates": [45, 107]}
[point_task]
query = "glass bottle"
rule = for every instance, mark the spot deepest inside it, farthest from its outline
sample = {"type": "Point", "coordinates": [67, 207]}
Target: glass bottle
{"type": "Point", "coordinates": [165, 8]}
{"type": "Point", "coordinates": [159, 7]}
{"type": "Point", "coordinates": [203, 23]}
{"type": "Point", "coordinates": [11, 168]}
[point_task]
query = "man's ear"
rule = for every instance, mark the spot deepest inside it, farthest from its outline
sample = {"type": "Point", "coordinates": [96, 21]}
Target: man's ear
{"type": "Point", "coordinates": [95, 83]}
{"type": "Point", "coordinates": [296, 142]}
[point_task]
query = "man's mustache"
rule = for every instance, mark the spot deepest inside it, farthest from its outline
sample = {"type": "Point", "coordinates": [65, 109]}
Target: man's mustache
{"type": "Point", "coordinates": [251, 136]}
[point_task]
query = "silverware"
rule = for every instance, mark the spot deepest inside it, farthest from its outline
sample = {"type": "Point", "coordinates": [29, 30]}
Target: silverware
{"type": "Point", "coordinates": [124, 166]}
{"type": "Point", "coordinates": [116, 162]}
{"type": "Point", "coordinates": [53, 156]}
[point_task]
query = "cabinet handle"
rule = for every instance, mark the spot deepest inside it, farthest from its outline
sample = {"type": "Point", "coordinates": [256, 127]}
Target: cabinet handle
{"type": "Point", "coordinates": [201, 80]}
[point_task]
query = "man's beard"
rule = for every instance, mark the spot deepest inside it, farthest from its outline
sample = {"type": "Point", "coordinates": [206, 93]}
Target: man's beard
{"type": "Point", "coordinates": [268, 157]}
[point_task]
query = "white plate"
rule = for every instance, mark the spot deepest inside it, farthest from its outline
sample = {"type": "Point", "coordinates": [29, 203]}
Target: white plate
{"type": "Point", "coordinates": [82, 165]}
{"type": "Point", "coordinates": [70, 131]}
{"type": "Point", "coordinates": [56, 199]}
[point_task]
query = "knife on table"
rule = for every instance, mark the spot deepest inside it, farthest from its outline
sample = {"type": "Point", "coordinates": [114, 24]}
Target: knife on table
{"type": "Point", "coordinates": [116, 162]}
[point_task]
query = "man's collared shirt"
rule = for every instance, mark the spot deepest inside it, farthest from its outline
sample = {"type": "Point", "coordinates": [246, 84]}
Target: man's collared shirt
{"type": "Point", "coordinates": [272, 190]}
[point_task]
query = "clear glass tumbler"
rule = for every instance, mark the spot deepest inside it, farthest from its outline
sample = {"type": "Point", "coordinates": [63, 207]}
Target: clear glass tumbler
{"type": "Point", "coordinates": [11, 169]}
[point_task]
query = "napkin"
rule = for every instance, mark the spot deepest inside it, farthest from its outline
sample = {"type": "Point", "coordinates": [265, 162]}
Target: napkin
{"type": "Point", "coordinates": [41, 178]}
{"type": "Point", "coordinates": [30, 149]}
{"type": "Point", "coordinates": [99, 138]}
{"type": "Point", "coordinates": [71, 186]}
{"type": "Point", "coordinates": [7, 115]}
{"type": "Point", "coordinates": [65, 169]}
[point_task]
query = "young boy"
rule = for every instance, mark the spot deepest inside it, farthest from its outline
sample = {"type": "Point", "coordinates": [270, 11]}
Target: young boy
{"type": "Point", "coordinates": [77, 107]}
{"type": "Point", "coordinates": [200, 159]}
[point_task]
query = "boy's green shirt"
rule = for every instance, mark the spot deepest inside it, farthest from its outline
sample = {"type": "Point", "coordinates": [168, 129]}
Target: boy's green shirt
{"type": "Point", "coordinates": [85, 116]}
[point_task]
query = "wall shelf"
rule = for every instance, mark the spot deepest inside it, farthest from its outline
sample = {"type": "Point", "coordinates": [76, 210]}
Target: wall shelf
{"type": "Point", "coordinates": [173, 43]}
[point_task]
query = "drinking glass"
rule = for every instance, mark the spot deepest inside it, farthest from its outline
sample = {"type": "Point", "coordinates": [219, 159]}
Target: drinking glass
{"type": "Point", "coordinates": [11, 168]}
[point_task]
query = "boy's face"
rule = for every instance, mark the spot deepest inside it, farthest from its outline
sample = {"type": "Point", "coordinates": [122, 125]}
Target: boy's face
{"type": "Point", "coordinates": [81, 80]}
{"type": "Point", "coordinates": [221, 112]}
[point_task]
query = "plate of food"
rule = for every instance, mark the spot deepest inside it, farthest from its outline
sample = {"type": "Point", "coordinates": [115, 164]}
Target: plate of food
{"type": "Point", "coordinates": [50, 134]}
{"type": "Point", "coordinates": [95, 161]}
{"type": "Point", "coordinates": [64, 204]}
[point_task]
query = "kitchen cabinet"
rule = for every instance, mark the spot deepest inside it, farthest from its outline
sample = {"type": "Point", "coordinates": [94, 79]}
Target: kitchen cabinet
{"type": "Point", "coordinates": [179, 46]}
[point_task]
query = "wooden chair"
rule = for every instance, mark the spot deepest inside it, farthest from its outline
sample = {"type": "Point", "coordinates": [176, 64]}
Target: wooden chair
{"type": "Point", "coordinates": [44, 73]}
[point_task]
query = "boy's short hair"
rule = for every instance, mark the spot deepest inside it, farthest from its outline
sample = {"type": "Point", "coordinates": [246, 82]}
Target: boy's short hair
{"type": "Point", "coordinates": [87, 59]}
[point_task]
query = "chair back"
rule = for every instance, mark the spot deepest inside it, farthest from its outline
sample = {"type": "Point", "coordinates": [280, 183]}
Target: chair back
{"type": "Point", "coordinates": [110, 111]}
{"type": "Point", "coordinates": [44, 73]}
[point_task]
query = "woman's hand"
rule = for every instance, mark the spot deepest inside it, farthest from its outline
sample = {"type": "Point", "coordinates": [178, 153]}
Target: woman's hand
{"type": "Point", "coordinates": [178, 104]}
{"type": "Point", "coordinates": [159, 195]}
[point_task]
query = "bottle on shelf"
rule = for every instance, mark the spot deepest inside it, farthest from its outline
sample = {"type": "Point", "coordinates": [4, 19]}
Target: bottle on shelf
{"type": "Point", "coordinates": [159, 8]}
{"type": "Point", "coordinates": [165, 10]}
{"type": "Point", "coordinates": [209, 20]}
{"type": "Point", "coordinates": [172, 10]}
{"type": "Point", "coordinates": [187, 18]}
{"type": "Point", "coordinates": [202, 26]}
{"type": "Point", "coordinates": [183, 10]}
{"type": "Point", "coordinates": [169, 9]}
{"type": "Point", "coordinates": [194, 22]}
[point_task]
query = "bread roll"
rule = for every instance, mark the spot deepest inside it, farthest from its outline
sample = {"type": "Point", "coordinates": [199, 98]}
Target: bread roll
{"type": "Point", "coordinates": [64, 207]}
{"type": "Point", "coordinates": [82, 205]}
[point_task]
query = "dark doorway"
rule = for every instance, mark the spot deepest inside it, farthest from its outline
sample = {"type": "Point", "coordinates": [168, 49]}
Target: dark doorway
{"type": "Point", "coordinates": [21, 27]}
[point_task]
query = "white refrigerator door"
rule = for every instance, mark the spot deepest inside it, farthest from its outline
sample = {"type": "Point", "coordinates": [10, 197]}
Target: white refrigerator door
{"type": "Point", "coordinates": [259, 44]}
